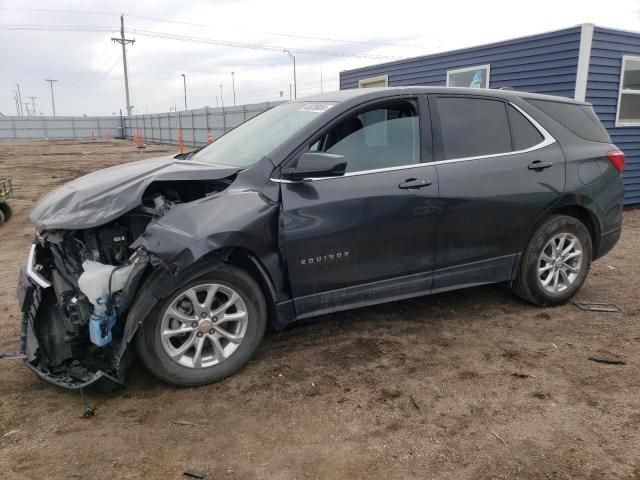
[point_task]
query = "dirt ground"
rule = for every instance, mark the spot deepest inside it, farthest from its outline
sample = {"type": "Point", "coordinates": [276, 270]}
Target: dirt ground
{"type": "Point", "coordinates": [470, 384]}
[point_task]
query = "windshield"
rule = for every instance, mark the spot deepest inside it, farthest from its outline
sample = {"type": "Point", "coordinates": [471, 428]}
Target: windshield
{"type": "Point", "coordinates": [257, 137]}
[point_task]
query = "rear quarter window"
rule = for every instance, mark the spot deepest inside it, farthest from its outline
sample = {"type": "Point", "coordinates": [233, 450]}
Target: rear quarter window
{"type": "Point", "coordinates": [579, 119]}
{"type": "Point", "coordinates": [524, 134]}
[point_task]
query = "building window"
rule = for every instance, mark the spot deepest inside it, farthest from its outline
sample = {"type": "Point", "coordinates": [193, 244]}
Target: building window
{"type": "Point", "coordinates": [381, 81]}
{"type": "Point", "coordinates": [628, 112]}
{"type": "Point", "coordinates": [472, 77]}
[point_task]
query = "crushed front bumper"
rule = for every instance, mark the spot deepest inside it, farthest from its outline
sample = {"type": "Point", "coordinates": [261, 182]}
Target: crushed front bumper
{"type": "Point", "coordinates": [31, 286]}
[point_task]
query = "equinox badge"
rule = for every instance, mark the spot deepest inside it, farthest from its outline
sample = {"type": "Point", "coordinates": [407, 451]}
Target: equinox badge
{"type": "Point", "coordinates": [329, 257]}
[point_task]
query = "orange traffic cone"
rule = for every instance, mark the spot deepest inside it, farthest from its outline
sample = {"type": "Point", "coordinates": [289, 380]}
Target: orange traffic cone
{"type": "Point", "coordinates": [141, 140]}
{"type": "Point", "coordinates": [209, 137]}
{"type": "Point", "coordinates": [180, 141]}
{"type": "Point", "coordinates": [93, 135]}
{"type": "Point", "coordinates": [135, 136]}
{"type": "Point", "coordinates": [108, 138]}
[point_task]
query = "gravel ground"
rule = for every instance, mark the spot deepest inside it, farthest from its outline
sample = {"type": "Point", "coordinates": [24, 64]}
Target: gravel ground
{"type": "Point", "coordinates": [469, 384]}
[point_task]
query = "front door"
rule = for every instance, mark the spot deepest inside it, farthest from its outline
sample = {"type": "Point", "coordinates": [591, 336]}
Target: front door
{"type": "Point", "coordinates": [355, 239]}
{"type": "Point", "coordinates": [491, 191]}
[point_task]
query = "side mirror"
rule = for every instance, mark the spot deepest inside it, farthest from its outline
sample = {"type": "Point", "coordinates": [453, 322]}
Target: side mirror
{"type": "Point", "coordinates": [317, 165]}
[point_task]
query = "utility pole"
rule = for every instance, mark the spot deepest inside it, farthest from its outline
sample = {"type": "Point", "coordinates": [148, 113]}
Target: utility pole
{"type": "Point", "coordinates": [233, 86]}
{"type": "Point", "coordinates": [295, 89]}
{"type": "Point", "coordinates": [26, 107]}
{"type": "Point", "coordinates": [15, 97]}
{"type": "Point", "coordinates": [124, 41]}
{"type": "Point", "coordinates": [184, 80]}
{"type": "Point", "coordinates": [33, 100]}
{"type": "Point", "coordinates": [221, 99]}
{"type": "Point", "coordinates": [20, 99]}
{"type": "Point", "coordinates": [53, 102]}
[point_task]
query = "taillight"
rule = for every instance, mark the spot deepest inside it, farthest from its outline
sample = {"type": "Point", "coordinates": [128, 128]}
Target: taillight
{"type": "Point", "coordinates": [616, 157]}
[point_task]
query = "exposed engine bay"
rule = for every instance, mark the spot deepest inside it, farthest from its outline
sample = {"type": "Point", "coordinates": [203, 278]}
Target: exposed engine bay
{"type": "Point", "coordinates": [80, 284]}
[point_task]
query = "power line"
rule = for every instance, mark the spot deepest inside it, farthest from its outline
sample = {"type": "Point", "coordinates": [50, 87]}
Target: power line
{"type": "Point", "coordinates": [115, 14]}
{"type": "Point", "coordinates": [252, 46]}
{"type": "Point", "coordinates": [106, 72]}
{"type": "Point", "coordinates": [97, 73]}
{"type": "Point", "coordinates": [325, 39]}
{"type": "Point", "coordinates": [57, 28]}
{"type": "Point", "coordinates": [192, 39]}
{"type": "Point", "coordinates": [191, 24]}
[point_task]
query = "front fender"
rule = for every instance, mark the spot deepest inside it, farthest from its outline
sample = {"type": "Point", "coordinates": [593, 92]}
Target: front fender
{"type": "Point", "coordinates": [189, 231]}
{"type": "Point", "coordinates": [238, 218]}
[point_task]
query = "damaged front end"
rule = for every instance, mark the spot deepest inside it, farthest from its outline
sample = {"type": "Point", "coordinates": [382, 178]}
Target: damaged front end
{"type": "Point", "coordinates": [80, 284]}
{"type": "Point", "coordinates": [71, 304]}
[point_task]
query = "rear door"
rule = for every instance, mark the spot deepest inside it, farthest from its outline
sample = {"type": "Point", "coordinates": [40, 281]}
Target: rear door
{"type": "Point", "coordinates": [498, 172]}
{"type": "Point", "coordinates": [369, 235]}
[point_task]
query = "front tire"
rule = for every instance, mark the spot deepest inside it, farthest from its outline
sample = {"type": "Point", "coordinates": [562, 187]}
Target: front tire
{"type": "Point", "coordinates": [555, 263]}
{"type": "Point", "coordinates": [206, 330]}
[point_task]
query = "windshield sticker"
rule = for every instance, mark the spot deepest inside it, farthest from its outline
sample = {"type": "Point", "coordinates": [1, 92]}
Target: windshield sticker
{"type": "Point", "coordinates": [316, 107]}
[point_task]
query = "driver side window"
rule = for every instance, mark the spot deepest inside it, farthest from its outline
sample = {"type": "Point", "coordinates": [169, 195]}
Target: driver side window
{"type": "Point", "coordinates": [385, 136]}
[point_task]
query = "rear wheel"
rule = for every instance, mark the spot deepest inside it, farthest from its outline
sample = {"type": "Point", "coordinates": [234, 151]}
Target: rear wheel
{"type": "Point", "coordinates": [2, 217]}
{"type": "Point", "coordinates": [555, 263]}
{"type": "Point", "coordinates": [206, 330]}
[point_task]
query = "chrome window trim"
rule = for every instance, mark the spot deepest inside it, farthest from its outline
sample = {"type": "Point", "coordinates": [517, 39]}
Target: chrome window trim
{"type": "Point", "coordinates": [31, 273]}
{"type": "Point", "coordinates": [547, 139]}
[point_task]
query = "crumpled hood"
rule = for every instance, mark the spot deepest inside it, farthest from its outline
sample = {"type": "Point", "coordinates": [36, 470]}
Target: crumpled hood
{"type": "Point", "coordinates": [104, 195]}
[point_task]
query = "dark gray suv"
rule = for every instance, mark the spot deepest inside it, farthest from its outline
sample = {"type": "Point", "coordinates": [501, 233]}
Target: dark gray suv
{"type": "Point", "coordinates": [328, 203]}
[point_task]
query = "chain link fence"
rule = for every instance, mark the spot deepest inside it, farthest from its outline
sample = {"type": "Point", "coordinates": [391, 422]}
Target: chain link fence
{"type": "Point", "coordinates": [196, 125]}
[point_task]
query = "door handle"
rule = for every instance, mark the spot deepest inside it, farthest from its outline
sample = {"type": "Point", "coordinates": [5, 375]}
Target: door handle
{"type": "Point", "coordinates": [539, 166]}
{"type": "Point", "coordinates": [414, 183]}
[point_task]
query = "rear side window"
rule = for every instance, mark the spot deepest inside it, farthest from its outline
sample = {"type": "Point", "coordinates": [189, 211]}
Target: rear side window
{"type": "Point", "coordinates": [473, 127]}
{"type": "Point", "coordinates": [524, 134]}
{"type": "Point", "coordinates": [579, 119]}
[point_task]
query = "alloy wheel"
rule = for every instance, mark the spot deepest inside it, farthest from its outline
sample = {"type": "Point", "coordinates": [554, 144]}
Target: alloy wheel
{"type": "Point", "coordinates": [204, 325]}
{"type": "Point", "coordinates": [560, 262]}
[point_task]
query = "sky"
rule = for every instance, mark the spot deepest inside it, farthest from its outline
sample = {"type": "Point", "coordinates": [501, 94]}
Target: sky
{"type": "Point", "coordinates": [325, 38]}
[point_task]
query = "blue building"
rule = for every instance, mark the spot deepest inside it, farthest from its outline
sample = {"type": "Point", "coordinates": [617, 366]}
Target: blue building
{"type": "Point", "coordinates": [599, 65]}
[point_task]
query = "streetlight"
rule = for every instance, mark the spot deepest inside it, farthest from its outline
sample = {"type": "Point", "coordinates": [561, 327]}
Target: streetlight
{"type": "Point", "coordinates": [292, 56]}
{"type": "Point", "coordinates": [53, 103]}
{"type": "Point", "coordinates": [221, 99]}
{"type": "Point", "coordinates": [184, 80]}
{"type": "Point", "coordinates": [233, 86]}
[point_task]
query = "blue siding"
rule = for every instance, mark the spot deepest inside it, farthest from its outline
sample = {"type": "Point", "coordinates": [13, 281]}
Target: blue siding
{"type": "Point", "coordinates": [544, 63]}
{"type": "Point", "coordinates": [603, 82]}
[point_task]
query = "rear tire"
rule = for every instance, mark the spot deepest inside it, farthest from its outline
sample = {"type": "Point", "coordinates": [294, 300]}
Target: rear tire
{"type": "Point", "coordinates": [555, 263]}
{"type": "Point", "coordinates": [211, 327]}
